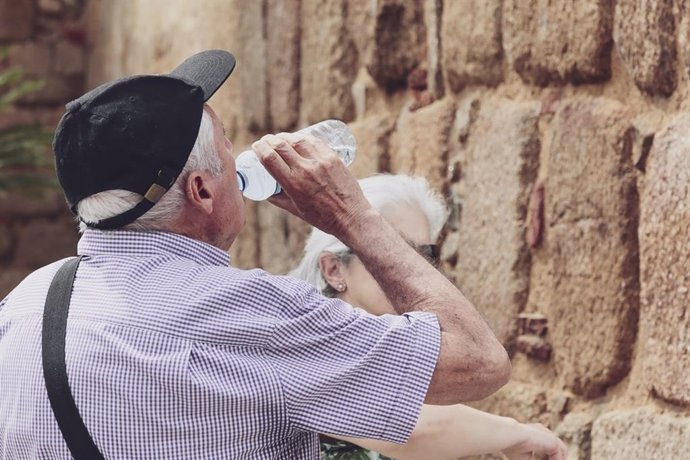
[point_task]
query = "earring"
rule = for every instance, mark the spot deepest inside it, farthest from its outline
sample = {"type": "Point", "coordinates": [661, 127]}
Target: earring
{"type": "Point", "coordinates": [340, 287]}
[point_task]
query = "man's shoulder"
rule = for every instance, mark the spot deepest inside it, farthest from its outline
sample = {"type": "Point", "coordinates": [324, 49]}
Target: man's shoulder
{"type": "Point", "coordinates": [260, 283]}
{"type": "Point", "coordinates": [35, 285]}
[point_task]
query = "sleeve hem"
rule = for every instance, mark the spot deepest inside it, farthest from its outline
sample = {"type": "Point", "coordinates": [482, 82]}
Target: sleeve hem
{"type": "Point", "coordinates": [424, 356]}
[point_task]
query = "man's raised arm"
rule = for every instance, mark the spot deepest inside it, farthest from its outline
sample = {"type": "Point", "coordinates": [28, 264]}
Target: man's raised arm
{"type": "Point", "coordinates": [472, 363]}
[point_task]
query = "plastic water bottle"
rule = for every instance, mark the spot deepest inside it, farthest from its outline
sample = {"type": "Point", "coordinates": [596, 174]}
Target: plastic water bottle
{"type": "Point", "coordinates": [257, 184]}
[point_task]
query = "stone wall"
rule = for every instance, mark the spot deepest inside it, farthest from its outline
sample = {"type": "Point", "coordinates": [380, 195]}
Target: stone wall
{"type": "Point", "coordinates": [558, 132]}
{"type": "Point", "coordinates": [46, 39]}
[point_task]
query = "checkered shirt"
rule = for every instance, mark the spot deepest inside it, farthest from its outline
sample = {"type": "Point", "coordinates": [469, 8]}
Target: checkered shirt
{"type": "Point", "coordinates": [172, 353]}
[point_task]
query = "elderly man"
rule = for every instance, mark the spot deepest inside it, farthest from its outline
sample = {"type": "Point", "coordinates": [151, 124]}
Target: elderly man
{"type": "Point", "coordinates": [168, 351]}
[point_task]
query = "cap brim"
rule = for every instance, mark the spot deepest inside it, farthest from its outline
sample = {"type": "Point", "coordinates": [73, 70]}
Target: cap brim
{"type": "Point", "coordinates": [208, 69]}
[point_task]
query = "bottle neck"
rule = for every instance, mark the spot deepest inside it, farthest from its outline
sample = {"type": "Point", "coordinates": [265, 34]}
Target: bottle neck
{"type": "Point", "coordinates": [241, 180]}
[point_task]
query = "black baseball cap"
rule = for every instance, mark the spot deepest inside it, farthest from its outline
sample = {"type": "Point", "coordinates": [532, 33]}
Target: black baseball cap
{"type": "Point", "coordinates": [135, 133]}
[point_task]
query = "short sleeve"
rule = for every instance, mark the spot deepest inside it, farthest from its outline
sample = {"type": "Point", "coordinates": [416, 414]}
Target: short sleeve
{"type": "Point", "coordinates": [350, 373]}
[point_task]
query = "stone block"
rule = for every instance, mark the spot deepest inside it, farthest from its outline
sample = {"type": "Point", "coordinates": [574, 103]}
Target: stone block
{"type": "Point", "coordinates": [397, 43]}
{"type": "Point", "coordinates": [328, 62]}
{"type": "Point", "coordinates": [649, 57]}
{"type": "Point", "coordinates": [16, 19]}
{"type": "Point", "coordinates": [46, 203]}
{"type": "Point", "coordinates": [576, 432]}
{"type": "Point", "coordinates": [69, 58]}
{"type": "Point", "coordinates": [642, 433]}
{"type": "Point", "coordinates": [590, 244]}
{"type": "Point", "coordinates": [6, 241]}
{"type": "Point", "coordinates": [50, 6]}
{"type": "Point", "coordinates": [56, 89]}
{"type": "Point", "coordinates": [372, 134]}
{"type": "Point", "coordinates": [283, 62]}
{"type": "Point", "coordinates": [433, 13]}
{"type": "Point", "coordinates": [360, 23]}
{"type": "Point", "coordinates": [33, 58]}
{"type": "Point", "coordinates": [253, 66]}
{"type": "Point", "coordinates": [244, 252]}
{"type": "Point", "coordinates": [419, 144]}
{"type": "Point", "coordinates": [10, 278]}
{"type": "Point", "coordinates": [281, 239]}
{"type": "Point", "coordinates": [471, 43]}
{"type": "Point", "coordinates": [132, 37]}
{"type": "Point", "coordinates": [42, 241]}
{"type": "Point", "coordinates": [534, 347]}
{"type": "Point", "coordinates": [664, 261]}
{"type": "Point", "coordinates": [683, 27]}
{"type": "Point", "coordinates": [558, 42]}
{"type": "Point", "coordinates": [527, 403]}
{"type": "Point", "coordinates": [371, 99]}
{"type": "Point", "coordinates": [499, 163]}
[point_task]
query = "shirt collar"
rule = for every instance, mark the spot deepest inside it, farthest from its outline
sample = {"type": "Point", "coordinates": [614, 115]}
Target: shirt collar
{"type": "Point", "coordinates": [147, 244]}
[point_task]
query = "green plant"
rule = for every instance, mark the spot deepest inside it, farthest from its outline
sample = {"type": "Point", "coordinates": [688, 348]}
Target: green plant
{"type": "Point", "coordinates": [22, 148]}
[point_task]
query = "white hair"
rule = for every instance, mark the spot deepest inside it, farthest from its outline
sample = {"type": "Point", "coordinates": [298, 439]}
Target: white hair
{"type": "Point", "coordinates": [384, 192]}
{"type": "Point", "coordinates": [113, 202]}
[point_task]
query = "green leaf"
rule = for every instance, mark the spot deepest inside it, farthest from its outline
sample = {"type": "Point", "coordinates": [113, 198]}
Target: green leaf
{"type": "Point", "coordinates": [10, 76]}
{"type": "Point", "coordinates": [23, 148]}
{"type": "Point", "coordinates": [20, 91]}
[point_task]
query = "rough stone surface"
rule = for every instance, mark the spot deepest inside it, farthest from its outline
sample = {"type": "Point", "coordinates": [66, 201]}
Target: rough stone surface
{"type": "Point", "coordinates": [433, 13]}
{"type": "Point", "coordinates": [50, 6]}
{"type": "Point", "coordinates": [69, 58]}
{"type": "Point", "coordinates": [360, 24]}
{"type": "Point", "coordinates": [328, 62]}
{"type": "Point", "coordinates": [664, 261]}
{"type": "Point", "coordinates": [282, 239]}
{"type": "Point", "coordinates": [471, 43]}
{"type": "Point", "coordinates": [498, 165]}
{"type": "Point", "coordinates": [576, 432]}
{"type": "Point", "coordinates": [372, 134]}
{"type": "Point", "coordinates": [640, 434]}
{"type": "Point", "coordinates": [57, 89]}
{"type": "Point", "coordinates": [6, 240]}
{"type": "Point", "coordinates": [370, 99]}
{"type": "Point", "coordinates": [33, 58]}
{"type": "Point", "coordinates": [48, 203]}
{"type": "Point", "coordinates": [398, 41]}
{"type": "Point", "coordinates": [591, 212]}
{"type": "Point", "coordinates": [556, 42]}
{"type": "Point", "coordinates": [650, 57]}
{"type": "Point", "coordinates": [134, 36]}
{"type": "Point", "coordinates": [283, 62]}
{"type": "Point", "coordinates": [527, 403]}
{"type": "Point", "coordinates": [420, 141]}
{"type": "Point", "coordinates": [10, 278]}
{"type": "Point", "coordinates": [16, 19]}
{"type": "Point", "coordinates": [244, 252]}
{"type": "Point", "coordinates": [255, 69]}
{"type": "Point", "coordinates": [43, 240]}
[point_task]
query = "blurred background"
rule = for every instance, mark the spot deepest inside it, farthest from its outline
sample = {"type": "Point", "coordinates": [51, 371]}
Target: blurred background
{"type": "Point", "coordinates": [559, 131]}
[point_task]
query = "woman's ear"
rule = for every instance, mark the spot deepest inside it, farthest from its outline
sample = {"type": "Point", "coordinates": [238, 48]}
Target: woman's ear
{"type": "Point", "coordinates": [331, 269]}
{"type": "Point", "coordinates": [199, 191]}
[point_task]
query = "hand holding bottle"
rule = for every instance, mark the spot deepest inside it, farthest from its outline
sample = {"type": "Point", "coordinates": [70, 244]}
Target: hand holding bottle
{"type": "Point", "coordinates": [317, 185]}
{"type": "Point", "coordinates": [257, 184]}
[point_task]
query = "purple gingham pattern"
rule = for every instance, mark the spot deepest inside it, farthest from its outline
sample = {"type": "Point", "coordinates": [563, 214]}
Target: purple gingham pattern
{"type": "Point", "coordinates": [172, 353]}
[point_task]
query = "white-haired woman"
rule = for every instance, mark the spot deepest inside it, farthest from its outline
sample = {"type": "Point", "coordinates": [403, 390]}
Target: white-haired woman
{"type": "Point", "coordinates": [418, 214]}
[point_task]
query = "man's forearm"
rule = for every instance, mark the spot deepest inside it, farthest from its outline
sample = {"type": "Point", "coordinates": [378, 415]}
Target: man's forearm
{"type": "Point", "coordinates": [472, 363]}
{"type": "Point", "coordinates": [409, 281]}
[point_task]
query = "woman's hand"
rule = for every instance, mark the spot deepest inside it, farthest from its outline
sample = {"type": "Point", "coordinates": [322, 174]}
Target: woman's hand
{"type": "Point", "coordinates": [538, 440]}
{"type": "Point", "coordinates": [448, 432]}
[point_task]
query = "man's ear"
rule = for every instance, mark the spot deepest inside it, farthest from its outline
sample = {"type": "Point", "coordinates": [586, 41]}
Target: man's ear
{"type": "Point", "coordinates": [331, 269]}
{"type": "Point", "coordinates": [199, 191]}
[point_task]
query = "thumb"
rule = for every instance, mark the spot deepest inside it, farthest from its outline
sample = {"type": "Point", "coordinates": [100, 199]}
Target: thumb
{"type": "Point", "coordinates": [283, 201]}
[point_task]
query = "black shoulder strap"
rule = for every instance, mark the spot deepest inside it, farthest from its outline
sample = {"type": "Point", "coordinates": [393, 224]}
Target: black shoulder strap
{"type": "Point", "coordinates": [54, 368]}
